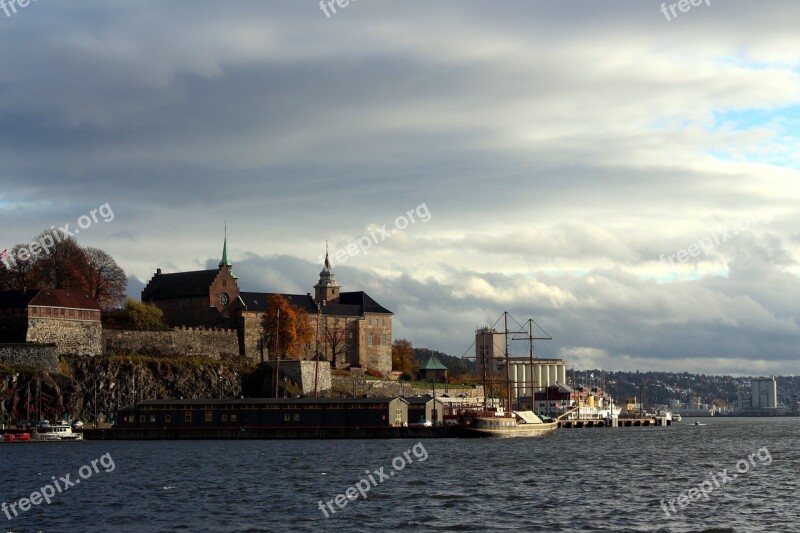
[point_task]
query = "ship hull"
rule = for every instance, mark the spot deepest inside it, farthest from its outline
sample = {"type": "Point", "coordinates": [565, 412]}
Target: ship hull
{"type": "Point", "coordinates": [501, 428]}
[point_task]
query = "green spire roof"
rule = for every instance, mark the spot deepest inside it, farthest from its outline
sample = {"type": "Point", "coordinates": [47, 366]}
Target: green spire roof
{"type": "Point", "coordinates": [224, 261]}
{"type": "Point", "coordinates": [433, 364]}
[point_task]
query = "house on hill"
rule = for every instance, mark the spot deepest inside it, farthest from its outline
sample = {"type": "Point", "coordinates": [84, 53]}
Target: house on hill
{"type": "Point", "coordinates": [68, 319]}
{"type": "Point", "coordinates": [352, 328]}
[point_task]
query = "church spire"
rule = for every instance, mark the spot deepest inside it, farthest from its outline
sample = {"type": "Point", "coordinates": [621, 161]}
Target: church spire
{"type": "Point", "coordinates": [326, 290]}
{"type": "Point", "coordinates": [327, 262]}
{"type": "Point", "coordinates": [224, 261]}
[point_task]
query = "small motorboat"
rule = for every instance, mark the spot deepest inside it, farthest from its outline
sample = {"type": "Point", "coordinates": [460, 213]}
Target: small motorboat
{"type": "Point", "coordinates": [700, 424]}
{"type": "Point", "coordinates": [56, 433]}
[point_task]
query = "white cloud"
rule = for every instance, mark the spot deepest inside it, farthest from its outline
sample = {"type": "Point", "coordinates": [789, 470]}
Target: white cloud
{"type": "Point", "coordinates": [561, 150]}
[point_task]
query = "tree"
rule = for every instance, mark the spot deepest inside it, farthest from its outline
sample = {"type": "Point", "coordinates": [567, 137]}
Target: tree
{"type": "Point", "coordinates": [143, 317]}
{"type": "Point", "coordinates": [53, 261]}
{"type": "Point", "coordinates": [105, 280]}
{"type": "Point", "coordinates": [64, 266]}
{"type": "Point", "coordinates": [402, 356]}
{"type": "Point", "coordinates": [334, 336]}
{"type": "Point", "coordinates": [6, 278]}
{"type": "Point", "coordinates": [22, 274]}
{"type": "Point", "coordinates": [291, 328]}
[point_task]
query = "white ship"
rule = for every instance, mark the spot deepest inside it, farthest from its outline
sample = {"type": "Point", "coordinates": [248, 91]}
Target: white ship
{"type": "Point", "coordinates": [55, 433]}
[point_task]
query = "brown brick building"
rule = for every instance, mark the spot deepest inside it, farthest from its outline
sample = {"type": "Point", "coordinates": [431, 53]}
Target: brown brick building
{"type": "Point", "coordinates": [352, 328]}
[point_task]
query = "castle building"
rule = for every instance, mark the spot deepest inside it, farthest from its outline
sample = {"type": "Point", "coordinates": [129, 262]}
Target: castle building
{"type": "Point", "coordinates": [67, 319]}
{"type": "Point", "coordinates": [351, 328]}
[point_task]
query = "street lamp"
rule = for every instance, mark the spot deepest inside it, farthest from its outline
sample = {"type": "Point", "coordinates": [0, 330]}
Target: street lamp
{"type": "Point", "coordinates": [95, 399]}
{"type": "Point", "coordinates": [277, 353]}
{"type": "Point", "coordinates": [116, 398]}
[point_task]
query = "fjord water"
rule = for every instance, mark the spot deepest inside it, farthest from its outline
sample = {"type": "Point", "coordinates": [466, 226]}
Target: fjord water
{"type": "Point", "coordinates": [578, 480]}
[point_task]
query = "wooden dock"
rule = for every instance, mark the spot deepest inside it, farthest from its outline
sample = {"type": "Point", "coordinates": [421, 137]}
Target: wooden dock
{"type": "Point", "coordinates": [650, 421]}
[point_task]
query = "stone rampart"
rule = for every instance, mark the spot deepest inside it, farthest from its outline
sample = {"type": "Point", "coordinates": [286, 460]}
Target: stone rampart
{"type": "Point", "coordinates": [42, 356]}
{"type": "Point", "coordinates": [303, 373]}
{"type": "Point", "coordinates": [203, 342]}
{"type": "Point", "coordinates": [71, 337]}
{"type": "Point", "coordinates": [375, 388]}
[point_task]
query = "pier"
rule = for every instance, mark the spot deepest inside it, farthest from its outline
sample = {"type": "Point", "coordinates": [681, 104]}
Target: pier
{"type": "Point", "coordinates": [650, 421]}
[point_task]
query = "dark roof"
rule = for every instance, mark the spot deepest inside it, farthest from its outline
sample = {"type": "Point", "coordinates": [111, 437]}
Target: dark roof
{"type": "Point", "coordinates": [361, 298]}
{"type": "Point", "coordinates": [349, 304]}
{"type": "Point", "coordinates": [420, 400]}
{"type": "Point", "coordinates": [341, 310]}
{"type": "Point", "coordinates": [257, 301]}
{"type": "Point", "coordinates": [266, 401]}
{"type": "Point", "coordinates": [179, 285]}
{"type": "Point", "coordinates": [47, 298]}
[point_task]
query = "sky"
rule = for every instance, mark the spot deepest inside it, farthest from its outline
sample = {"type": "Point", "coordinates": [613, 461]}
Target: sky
{"type": "Point", "coordinates": [625, 176]}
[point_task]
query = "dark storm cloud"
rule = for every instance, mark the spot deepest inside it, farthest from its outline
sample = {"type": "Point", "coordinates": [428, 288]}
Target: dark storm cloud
{"type": "Point", "coordinates": [562, 148]}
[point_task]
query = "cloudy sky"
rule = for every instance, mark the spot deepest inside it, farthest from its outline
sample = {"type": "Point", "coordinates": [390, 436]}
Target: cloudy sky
{"type": "Point", "coordinates": [628, 181]}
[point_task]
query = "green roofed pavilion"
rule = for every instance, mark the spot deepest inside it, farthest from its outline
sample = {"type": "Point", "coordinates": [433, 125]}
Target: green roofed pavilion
{"type": "Point", "coordinates": [433, 370]}
{"type": "Point", "coordinates": [433, 363]}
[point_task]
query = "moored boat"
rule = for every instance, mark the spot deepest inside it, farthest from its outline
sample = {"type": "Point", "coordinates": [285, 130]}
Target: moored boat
{"type": "Point", "coordinates": [517, 424]}
{"type": "Point", "coordinates": [56, 433]}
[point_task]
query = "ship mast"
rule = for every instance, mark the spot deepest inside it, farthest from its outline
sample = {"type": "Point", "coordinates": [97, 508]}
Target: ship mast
{"type": "Point", "coordinates": [508, 361]}
{"type": "Point", "coordinates": [530, 340]}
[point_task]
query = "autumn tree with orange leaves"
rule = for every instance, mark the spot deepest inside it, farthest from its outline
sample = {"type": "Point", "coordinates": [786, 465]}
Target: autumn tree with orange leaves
{"type": "Point", "coordinates": [291, 330]}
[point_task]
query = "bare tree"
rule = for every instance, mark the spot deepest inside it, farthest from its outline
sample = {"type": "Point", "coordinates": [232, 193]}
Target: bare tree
{"type": "Point", "coordinates": [105, 280]}
{"type": "Point", "coordinates": [334, 336]}
{"type": "Point", "coordinates": [21, 270]}
{"type": "Point", "coordinates": [6, 278]}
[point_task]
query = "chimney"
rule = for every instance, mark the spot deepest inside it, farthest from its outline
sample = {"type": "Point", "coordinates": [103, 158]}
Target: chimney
{"type": "Point", "coordinates": [158, 272]}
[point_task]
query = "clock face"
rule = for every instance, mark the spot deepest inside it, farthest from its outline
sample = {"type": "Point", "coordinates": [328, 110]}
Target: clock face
{"type": "Point", "coordinates": [223, 298]}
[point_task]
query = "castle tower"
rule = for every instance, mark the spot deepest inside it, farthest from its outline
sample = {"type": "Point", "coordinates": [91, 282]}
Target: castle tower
{"type": "Point", "coordinates": [326, 290]}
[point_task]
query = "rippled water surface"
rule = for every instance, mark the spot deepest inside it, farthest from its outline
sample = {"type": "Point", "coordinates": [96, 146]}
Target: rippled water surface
{"type": "Point", "coordinates": [578, 480]}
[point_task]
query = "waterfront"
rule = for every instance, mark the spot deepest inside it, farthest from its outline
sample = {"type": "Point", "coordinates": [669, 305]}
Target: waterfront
{"type": "Point", "coordinates": [592, 480]}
